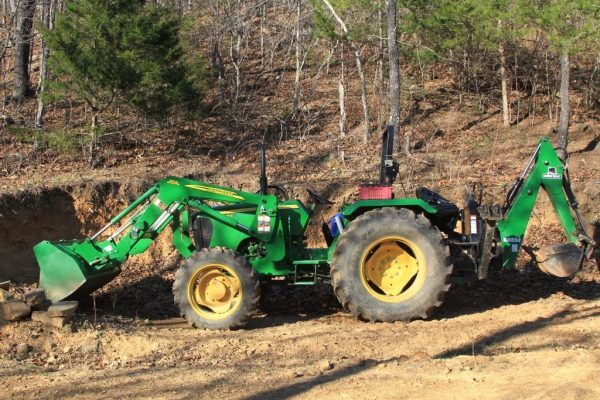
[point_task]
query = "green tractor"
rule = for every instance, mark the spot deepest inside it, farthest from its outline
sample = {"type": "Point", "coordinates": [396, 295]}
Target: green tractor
{"type": "Point", "coordinates": [387, 258]}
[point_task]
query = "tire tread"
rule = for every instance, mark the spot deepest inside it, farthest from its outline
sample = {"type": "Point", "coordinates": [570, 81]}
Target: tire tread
{"type": "Point", "coordinates": [351, 300]}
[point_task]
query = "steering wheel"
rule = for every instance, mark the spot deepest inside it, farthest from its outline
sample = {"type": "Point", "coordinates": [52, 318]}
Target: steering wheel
{"type": "Point", "coordinates": [280, 192]}
{"type": "Point", "coordinates": [318, 199]}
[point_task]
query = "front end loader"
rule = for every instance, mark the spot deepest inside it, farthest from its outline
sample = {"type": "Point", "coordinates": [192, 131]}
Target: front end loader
{"type": "Point", "coordinates": [387, 258]}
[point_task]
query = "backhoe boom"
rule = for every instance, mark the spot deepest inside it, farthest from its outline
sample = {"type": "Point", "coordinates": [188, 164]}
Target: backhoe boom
{"type": "Point", "coordinates": [545, 170]}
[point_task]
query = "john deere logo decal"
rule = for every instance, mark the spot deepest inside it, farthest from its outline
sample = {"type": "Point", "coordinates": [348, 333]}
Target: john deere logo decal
{"type": "Point", "coordinates": [552, 174]}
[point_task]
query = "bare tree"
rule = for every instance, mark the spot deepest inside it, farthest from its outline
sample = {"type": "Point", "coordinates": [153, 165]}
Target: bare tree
{"type": "Point", "coordinates": [21, 87]}
{"type": "Point", "coordinates": [47, 21]}
{"type": "Point", "coordinates": [9, 11]}
{"type": "Point", "coordinates": [299, 62]}
{"type": "Point", "coordinates": [216, 59]}
{"type": "Point", "coordinates": [237, 58]}
{"type": "Point", "coordinates": [359, 70]}
{"type": "Point", "coordinates": [342, 94]}
{"type": "Point", "coordinates": [563, 126]}
{"type": "Point", "coordinates": [263, 12]}
{"type": "Point", "coordinates": [9, 8]}
{"type": "Point", "coordinates": [380, 67]}
{"type": "Point", "coordinates": [394, 59]}
{"type": "Point", "coordinates": [503, 79]}
{"type": "Point", "coordinates": [234, 23]}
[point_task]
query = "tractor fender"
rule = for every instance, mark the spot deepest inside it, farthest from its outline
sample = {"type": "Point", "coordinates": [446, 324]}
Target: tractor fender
{"type": "Point", "coordinates": [354, 210]}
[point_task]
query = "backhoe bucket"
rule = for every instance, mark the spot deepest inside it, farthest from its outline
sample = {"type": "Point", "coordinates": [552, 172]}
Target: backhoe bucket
{"type": "Point", "coordinates": [66, 275]}
{"type": "Point", "coordinates": [562, 260]}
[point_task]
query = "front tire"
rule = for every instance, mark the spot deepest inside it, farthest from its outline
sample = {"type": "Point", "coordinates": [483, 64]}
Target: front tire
{"type": "Point", "coordinates": [216, 289]}
{"type": "Point", "coordinates": [389, 265]}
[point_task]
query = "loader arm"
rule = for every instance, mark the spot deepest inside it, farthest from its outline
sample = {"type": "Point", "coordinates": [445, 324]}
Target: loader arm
{"type": "Point", "coordinates": [70, 268]}
{"type": "Point", "coordinates": [544, 170]}
{"type": "Point", "coordinates": [165, 202]}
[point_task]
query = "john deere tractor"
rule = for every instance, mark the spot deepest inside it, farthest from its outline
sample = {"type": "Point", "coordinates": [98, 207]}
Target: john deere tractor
{"type": "Point", "coordinates": [387, 258]}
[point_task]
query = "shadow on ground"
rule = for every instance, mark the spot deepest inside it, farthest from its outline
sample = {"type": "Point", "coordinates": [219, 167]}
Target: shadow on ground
{"type": "Point", "coordinates": [511, 287]}
{"type": "Point", "coordinates": [151, 298]}
{"type": "Point", "coordinates": [137, 381]}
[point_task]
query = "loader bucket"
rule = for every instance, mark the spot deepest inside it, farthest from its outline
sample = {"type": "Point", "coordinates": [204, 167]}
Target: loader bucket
{"type": "Point", "coordinates": [66, 275]}
{"type": "Point", "coordinates": [562, 260]}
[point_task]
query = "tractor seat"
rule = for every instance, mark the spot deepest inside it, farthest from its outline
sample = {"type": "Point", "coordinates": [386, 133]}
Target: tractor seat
{"type": "Point", "coordinates": [447, 212]}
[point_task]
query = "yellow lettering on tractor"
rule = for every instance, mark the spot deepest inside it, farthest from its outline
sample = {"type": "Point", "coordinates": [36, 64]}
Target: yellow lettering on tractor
{"type": "Point", "coordinates": [221, 192]}
{"type": "Point", "coordinates": [287, 207]}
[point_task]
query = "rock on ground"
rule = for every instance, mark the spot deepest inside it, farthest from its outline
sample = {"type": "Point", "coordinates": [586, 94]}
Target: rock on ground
{"type": "Point", "coordinates": [22, 349]}
{"type": "Point", "coordinates": [5, 296]}
{"type": "Point", "coordinates": [45, 318]}
{"type": "Point", "coordinates": [14, 310]}
{"type": "Point", "coordinates": [90, 346]}
{"type": "Point", "coordinates": [35, 297]}
{"type": "Point", "coordinates": [63, 309]}
{"type": "Point", "coordinates": [324, 365]}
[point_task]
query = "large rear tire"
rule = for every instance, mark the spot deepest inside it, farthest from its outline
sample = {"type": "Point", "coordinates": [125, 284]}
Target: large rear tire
{"type": "Point", "coordinates": [390, 265]}
{"type": "Point", "coordinates": [216, 289]}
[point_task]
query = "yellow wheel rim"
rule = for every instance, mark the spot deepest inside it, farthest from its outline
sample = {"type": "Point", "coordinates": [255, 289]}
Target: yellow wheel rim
{"type": "Point", "coordinates": [393, 269]}
{"type": "Point", "coordinates": [214, 291]}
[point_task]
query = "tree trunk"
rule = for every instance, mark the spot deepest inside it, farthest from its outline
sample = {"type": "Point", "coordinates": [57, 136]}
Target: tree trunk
{"type": "Point", "coordinates": [359, 70]}
{"type": "Point", "coordinates": [21, 85]}
{"type": "Point", "coordinates": [363, 94]}
{"type": "Point", "coordinates": [394, 59]}
{"type": "Point", "coordinates": [342, 95]}
{"type": "Point", "coordinates": [296, 95]}
{"type": "Point", "coordinates": [47, 21]}
{"type": "Point", "coordinates": [216, 59]}
{"type": "Point", "coordinates": [592, 86]}
{"type": "Point", "coordinates": [503, 80]}
{"type": "Point", "coordinates": [563, 127]}
{"type": "Point", "coordinates": [238, 33]}
{"type": "Point", "coordinates": [380, 68]}
{"type": "Point", "coordinates": [262, 36]}
{"type": "Point", "coordinates": [93, 136]}
{"type": "Point", "coordinates": [504, 84]}
{"type": "Point", "coordinates": [9, 8]}
{"type": "Point", "coordinates": [549, 89]}
{"type": "Point", "coordinates": [236, 61]}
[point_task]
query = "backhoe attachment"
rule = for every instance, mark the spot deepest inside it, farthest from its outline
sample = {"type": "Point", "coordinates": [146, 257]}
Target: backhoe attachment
{"type": "Point", "coordinates": [545, 170]}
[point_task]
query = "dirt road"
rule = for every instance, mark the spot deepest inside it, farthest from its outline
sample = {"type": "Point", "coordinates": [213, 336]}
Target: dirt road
{"type": "Point", "coordinates": [520, 335]}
